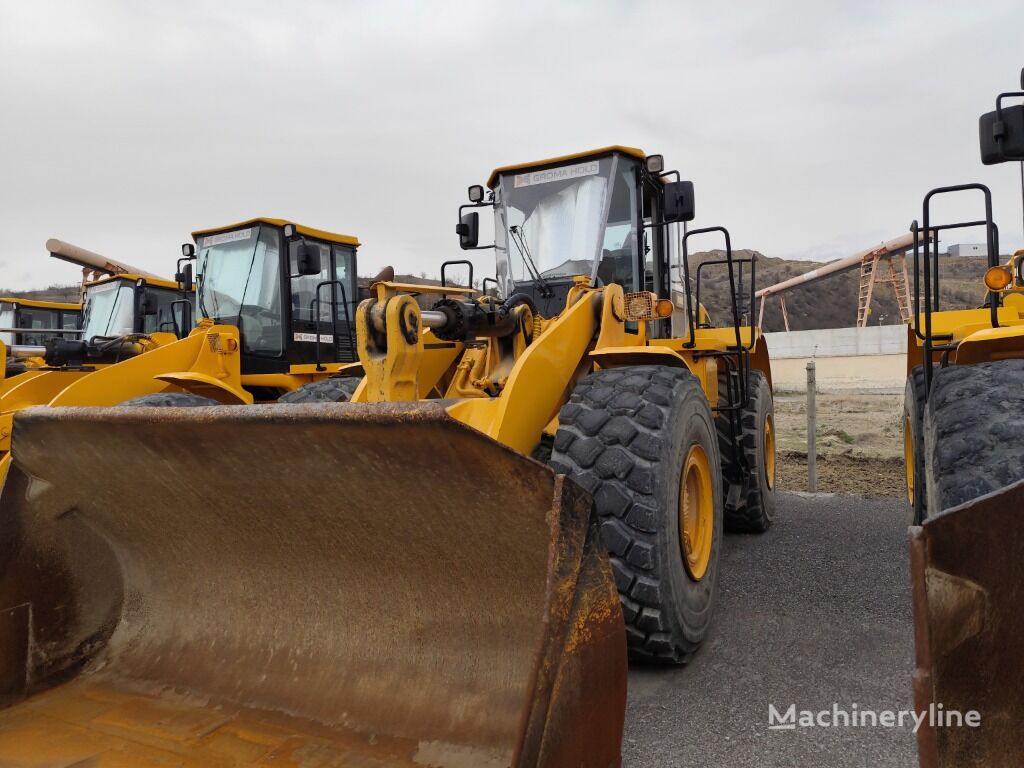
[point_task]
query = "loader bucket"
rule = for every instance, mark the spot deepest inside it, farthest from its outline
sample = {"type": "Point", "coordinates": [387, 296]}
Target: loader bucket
{"type": "Point", "coordinates": [968, 589]}
{"type": "Point", "coordinates": [286, 585]}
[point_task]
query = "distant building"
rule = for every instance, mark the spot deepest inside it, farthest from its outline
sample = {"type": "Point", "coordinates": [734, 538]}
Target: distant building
{"type": "Point", "coordinates": [968, 249]}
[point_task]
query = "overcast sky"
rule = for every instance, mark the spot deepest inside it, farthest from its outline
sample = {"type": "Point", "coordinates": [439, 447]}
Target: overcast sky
{"type": "Point", "coordinates": [811, 129]}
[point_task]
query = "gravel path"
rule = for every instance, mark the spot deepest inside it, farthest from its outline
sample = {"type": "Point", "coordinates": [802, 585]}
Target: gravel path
{"type": "Point", "coordinates": [815, 611]}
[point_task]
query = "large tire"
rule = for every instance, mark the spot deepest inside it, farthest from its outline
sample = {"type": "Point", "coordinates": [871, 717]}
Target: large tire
{"type": "Point", "coordinates": [172, 400]}
{"type": "Point", "coordinates": [627, 435]}
{"type": "Point", "coordinates": [913, 446]}
{"type": "Point", "coordinates": [331, 390]}
{"type": "Point", "coordinates": [748, 481]}
{"type": "Point", "coordinates": [974, 432]}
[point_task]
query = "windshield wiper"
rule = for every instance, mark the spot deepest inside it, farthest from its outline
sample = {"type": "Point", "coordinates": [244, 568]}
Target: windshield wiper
{"type": "Point", "coordinates": [200, 281]}
{"type": "Point", "coordinates": [524, 252]}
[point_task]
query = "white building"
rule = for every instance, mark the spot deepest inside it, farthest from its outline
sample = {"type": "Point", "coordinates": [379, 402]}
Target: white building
{"type": "Point", "coordinates": [968, 249]}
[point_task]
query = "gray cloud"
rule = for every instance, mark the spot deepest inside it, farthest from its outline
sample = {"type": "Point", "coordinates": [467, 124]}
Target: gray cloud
{"type": "Point", "coordinates": [811, 129]}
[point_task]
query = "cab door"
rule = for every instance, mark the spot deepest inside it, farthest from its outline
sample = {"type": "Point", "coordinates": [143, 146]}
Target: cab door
{"type": "Point", "coordinates": [322, 306]}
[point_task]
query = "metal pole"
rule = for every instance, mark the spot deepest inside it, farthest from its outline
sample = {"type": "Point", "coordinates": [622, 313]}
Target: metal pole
{"type": "Point", "coordinates": [812, 430]}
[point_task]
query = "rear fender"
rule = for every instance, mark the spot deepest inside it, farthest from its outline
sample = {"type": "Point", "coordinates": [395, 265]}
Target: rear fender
{"type": "Point", "coordinates": [988, 344]}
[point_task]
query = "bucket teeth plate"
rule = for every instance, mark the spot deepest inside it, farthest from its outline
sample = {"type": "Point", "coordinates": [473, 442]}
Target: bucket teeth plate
{"type": "Point", "coordinates": [376, 574]}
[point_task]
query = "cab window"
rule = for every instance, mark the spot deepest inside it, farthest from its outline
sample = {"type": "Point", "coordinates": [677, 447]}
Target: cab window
{"type": "Point", "coordinates": [344, 273]}
{"type": "Point", "coordinates": [170, 317]}
{"type": "Point", "coordinates": [304, 287]}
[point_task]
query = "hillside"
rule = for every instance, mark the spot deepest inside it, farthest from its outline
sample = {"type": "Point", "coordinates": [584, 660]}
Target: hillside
{"type": "Point", "coordinates": [67, 293]}
{"type": "Point", "coordinates": [832, 303]}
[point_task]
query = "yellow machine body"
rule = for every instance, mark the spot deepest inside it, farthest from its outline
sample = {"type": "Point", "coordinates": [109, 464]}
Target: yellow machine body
{"type": "Point", "coordinates": [971, 331]}
{"type": "Point", "coordinates": [536, 373]}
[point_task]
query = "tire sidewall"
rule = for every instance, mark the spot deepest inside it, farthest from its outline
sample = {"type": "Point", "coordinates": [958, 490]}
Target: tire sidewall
{"type": "Point", "coordinates": [764, 409]}
{"type": "Point", "coordinates": [691, 422]}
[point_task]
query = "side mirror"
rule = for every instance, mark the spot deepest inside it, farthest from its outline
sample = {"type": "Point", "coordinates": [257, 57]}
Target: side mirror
{"type": "Point", "coordinates": [1002, 140]}
{"type": "Point", "coordinates": [147, 303]}
{"type": "Point", "coordinates": [468, 230]}
{"type": "Point", "coordinates": [307, 259]}
{"type": "Point", "coordinates": [678, 201]}
{"type": "Point", "coordinates": [184, 277]}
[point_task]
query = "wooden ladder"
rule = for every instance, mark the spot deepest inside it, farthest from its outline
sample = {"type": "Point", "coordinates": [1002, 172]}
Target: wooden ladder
{"type": "Point", "coordinates": [868, 267]}
{"type": "Point", "coordinates": [900, 284]}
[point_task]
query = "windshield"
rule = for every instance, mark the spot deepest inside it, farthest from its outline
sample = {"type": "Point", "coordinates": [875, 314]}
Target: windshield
{"type": "Point", "coordinates": [238, 274]}
{"type": "Point", "coordinates": [570, 220]}
{"type": "Point", "coordinates": [109, 310]}
{"type": "Point", "coordinates": [6, 321]}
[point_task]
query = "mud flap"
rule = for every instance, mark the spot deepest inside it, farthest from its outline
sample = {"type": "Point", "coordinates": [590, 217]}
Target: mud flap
{"type": "Point", "coordinates": [409, 589]}
{"type": "Point", "coordinates": [967, 567]}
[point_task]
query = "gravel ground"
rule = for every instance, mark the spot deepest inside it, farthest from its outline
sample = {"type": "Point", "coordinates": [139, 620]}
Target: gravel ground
{"type": "Point", "coordinates": [859, 442]}
{"type": "Point", "coordinates": [837, 473]}
{"type": "Point", "coordinates": [815, 611]}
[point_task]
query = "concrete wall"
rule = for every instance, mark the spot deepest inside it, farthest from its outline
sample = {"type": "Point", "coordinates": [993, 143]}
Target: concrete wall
{"type": "Point", "coordinates": [877, 373]}
{"type": "Point", "coordinates": [839, 342]}
{"type": "Point", "coordinates": [872, 358]}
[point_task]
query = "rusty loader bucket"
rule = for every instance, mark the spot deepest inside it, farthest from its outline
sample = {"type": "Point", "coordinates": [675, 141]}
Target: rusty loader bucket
{"type": "Point", "coordinates": [968, 584]}
{"type": "Point", "coordinates": [283, 585]}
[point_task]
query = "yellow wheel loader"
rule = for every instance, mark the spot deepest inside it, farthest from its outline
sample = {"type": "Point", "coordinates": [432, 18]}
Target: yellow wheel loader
{"type": "Point", "coordinates": [275, 303]}
{"type": "Point", "coordinates": [399, 579]}
{"type": "Point", "coordinates": [965, 489]}
{"type": "Point", "coordinates": [275, 315]}
{"type": "Point", "coordinates": [125, 310]}
{"type": "Point", "coordinates": [27, 323]}
{"type": "Point", "coordinates": [965, 483]}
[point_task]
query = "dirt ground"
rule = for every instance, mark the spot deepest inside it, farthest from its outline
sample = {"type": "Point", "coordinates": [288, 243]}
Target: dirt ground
{"type": "Point", "coordinates": [859, 442]}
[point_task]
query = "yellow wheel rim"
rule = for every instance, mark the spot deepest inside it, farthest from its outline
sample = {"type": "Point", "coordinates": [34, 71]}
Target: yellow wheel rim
{"type": "Point", "coordinates": [908, 458]}
{"type": "Point", "coordinates": [769, 452]}
{"type": "Point", "coordinates": [696, 512]}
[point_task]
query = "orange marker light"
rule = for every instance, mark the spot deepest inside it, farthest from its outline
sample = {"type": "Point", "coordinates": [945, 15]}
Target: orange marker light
{"type": "Point", "coordinates": [663, 308]}
{"type": "Point", "coordinates": [997, 278]}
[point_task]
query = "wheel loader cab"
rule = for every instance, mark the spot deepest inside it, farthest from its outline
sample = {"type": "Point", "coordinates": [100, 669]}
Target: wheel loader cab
{"type": "Point", "coordinates": [25, 321]}
{"type": "Point", "coordinates": [123, 305]}
{"type": "Point", "coordinates": [30, 325]}
{"type": "Point", "coordinates": [290, 290]}
{"type": "Point", "coordinates": [598, 215]}
{"type": "Point", "coordinates": [121, 314]}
